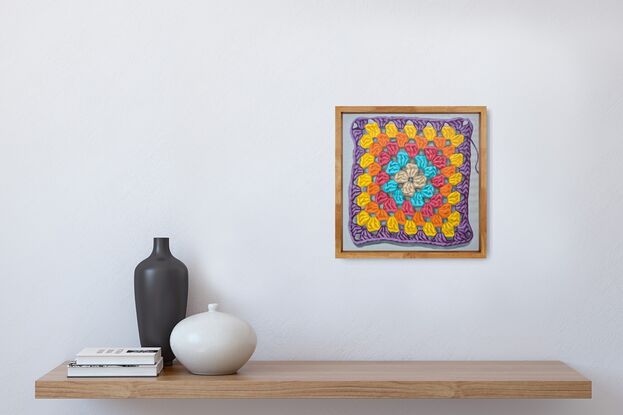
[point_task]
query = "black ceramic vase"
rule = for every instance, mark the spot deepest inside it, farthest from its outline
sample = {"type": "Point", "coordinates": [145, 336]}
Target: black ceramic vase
{"type": "Point", "coordinates": [161, 294]}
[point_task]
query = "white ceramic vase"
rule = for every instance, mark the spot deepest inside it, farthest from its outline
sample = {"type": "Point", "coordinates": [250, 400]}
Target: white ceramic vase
{"type": "Point", "coordinates": [213, 343]}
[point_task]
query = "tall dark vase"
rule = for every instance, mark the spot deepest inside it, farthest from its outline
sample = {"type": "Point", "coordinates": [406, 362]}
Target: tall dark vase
{"type": "Point", "coordinates": [161, 294]}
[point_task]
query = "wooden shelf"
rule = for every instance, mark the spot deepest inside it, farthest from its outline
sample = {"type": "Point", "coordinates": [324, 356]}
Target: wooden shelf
{"type": "Point", "coordinates": [337, 379]}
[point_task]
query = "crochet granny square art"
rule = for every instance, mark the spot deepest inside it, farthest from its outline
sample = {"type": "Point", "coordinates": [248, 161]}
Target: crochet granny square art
{"type": "Point", "coordinates": [410, 181]}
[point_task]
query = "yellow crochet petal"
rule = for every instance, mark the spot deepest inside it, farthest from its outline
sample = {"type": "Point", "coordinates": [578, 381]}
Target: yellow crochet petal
{"type": "Point", "coordinates": [392, 225]}
{"type": "Point", "coordinates": [391, 130]}
{"type": "Point", "coordinates": [410, 227]}
{"type": "Point", "coordinates": [365, 179]}
{"type": "Point", "coordinates": [454, 198]}
{"type": "Point", "coordinates": [366, 160]}
{"type": "Point", "coordinates": [363, 199]}
{"type": "Point", "coordinates": [373, 129]}
{"type": "Point", "coordinates": [366, 141]}
{"type": "Point", "coordinates": [457, 139]}
{"type": "Point", "coordinates": [448, 230]}
{"type": "Point", "coordinates": [429, 132]}
{"type": "Point", "coordinates": [447, 132]}
{"type": "Point", "coordinates": [373, 224]}
{"type": "Point", "coordinates": [363, 217]}
{"type": "Point", "coordinates": [454, 179]}
{"type": "Point", "coordinates": [410, 130]}
{"type": "Point", "coordinates": [454, 219]}
{"type": "Point", "coordinates": [429, 229]}
{"type": "Point", "coordinates": [456, 159]}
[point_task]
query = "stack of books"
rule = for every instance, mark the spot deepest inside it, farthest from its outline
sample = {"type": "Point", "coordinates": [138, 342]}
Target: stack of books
{"type": "Point", "coordinates": [116, 362]}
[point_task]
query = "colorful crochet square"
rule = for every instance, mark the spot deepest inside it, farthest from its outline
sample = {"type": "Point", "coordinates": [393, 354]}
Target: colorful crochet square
{"type": "Point", "coordinates": [410, 181]}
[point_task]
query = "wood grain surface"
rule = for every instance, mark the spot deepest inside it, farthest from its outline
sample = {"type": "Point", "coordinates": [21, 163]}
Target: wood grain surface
{"type": "Point", "coordinates": [336, 379]}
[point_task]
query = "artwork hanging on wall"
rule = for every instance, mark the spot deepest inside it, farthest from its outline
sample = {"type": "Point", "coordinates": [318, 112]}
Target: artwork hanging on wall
{"type": "Point", "coordinates": [411, 182]}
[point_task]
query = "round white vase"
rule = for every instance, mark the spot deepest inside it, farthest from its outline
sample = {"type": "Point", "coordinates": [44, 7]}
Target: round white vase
{"type": "Point", "coordinates": [213, 343]}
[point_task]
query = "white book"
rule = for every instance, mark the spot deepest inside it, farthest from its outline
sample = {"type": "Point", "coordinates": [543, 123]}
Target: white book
{"type": "Point", "coordinates": [101, 371]}
{"type": "Point", "coordinates": [118, 356]}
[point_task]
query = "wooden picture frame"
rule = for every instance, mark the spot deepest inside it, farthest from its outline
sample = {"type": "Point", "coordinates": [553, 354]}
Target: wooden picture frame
{"type": "Point", "coordinates": [438, 244]}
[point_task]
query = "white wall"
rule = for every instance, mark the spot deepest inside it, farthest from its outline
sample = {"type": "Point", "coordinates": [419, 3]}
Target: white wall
{"type": "Point", "coordinates": [212, 122]}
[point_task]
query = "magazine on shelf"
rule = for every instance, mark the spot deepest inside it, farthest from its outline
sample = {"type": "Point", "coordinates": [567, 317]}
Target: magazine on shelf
{"type": "Point", "coordinates": [119, 356]}
{"type": "Point", "coordinates": [75, 370]}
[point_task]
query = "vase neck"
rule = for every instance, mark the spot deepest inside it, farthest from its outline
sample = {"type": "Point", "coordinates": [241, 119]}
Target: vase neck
{"type": "Point", "coordinates": [161, 247]}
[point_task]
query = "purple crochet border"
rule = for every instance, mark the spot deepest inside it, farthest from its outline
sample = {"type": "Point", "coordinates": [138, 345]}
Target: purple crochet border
{"type": "Point", "coordinates": [463, 233]}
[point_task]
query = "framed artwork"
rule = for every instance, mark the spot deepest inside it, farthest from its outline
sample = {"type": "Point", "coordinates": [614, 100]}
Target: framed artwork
{"type": "Point", "coordinates": [411, 182]}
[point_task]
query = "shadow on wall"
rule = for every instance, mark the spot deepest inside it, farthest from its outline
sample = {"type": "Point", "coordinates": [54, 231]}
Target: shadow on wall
{"type": "Point", "coordinates": [346, 406]}
{"type": "Point", "coordinates": [200, 292]}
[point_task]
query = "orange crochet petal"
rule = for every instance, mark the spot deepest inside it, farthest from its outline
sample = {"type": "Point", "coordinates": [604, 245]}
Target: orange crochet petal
{"type": "Point", "coordinates": [440, 142]}
{"type": "Point", "coordinates": [436, 220]}
{"type": "Point", "coordinates": [418, 218]}
{"type": "Point", "coordinates": [446, 189]}
{"type": "Point", "coordinates": [400, 217]}
{"type": "Point", "coordinates": [375, 149]}
{"type": "Point", "coordinates": [382, 215]}
{"type": "Point", "coordinates": [373, 188]}
{"type": "Point", "coordinates": [401, 139]}
{"type": "Point", "coordinates": [421, 141]}
{"type": "Point", "coordinates": [374, 169]}
{"type": "Point", "coordinates": [445, 210]}
{"type": "Point", "coordinates": [372, 207]}
{"type": "Point", "coordinates": [382, 139]}
{"type": "Point", "coordinates": [448, 151]}
{"type": "Point", "coordinates": [448, 171]}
